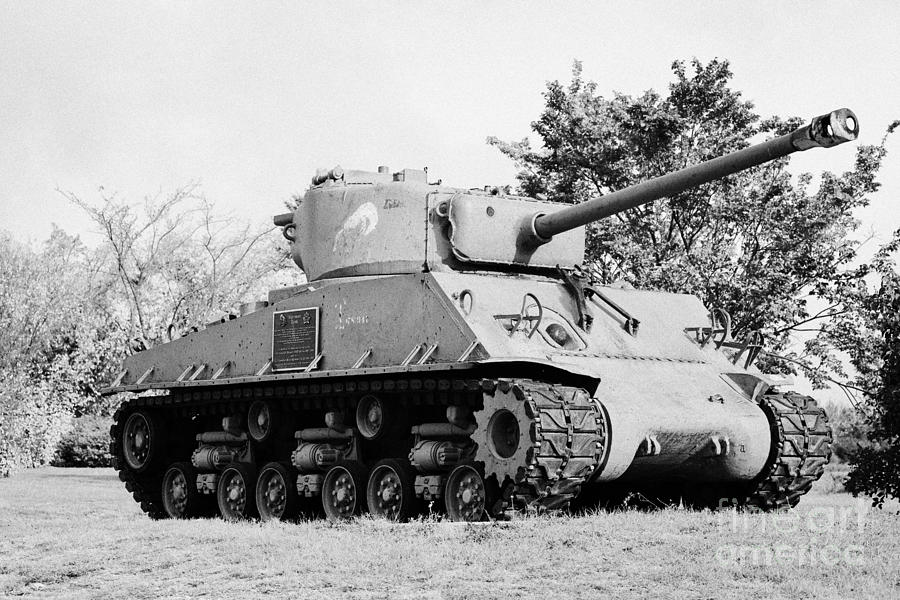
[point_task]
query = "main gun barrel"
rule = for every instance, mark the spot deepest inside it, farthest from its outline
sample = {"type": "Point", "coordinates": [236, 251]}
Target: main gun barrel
{"type": "Point", "coordinates": [824, 131]}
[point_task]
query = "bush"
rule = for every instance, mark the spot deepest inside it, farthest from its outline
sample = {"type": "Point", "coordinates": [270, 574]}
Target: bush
{"type": "Point", "coordinates": [31, 423]}
{"type": "Point", "coordinates": [850, 428]}
{"type": "Point", "coordinates": [876, 469]}
{"type": "Point", "coordinates": [875, 473]}
{"type": "Point", "coordinates": [87, 445]}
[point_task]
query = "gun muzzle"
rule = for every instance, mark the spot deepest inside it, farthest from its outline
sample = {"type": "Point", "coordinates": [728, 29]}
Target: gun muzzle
{"type": "Point", "coordinates": [825, 131]}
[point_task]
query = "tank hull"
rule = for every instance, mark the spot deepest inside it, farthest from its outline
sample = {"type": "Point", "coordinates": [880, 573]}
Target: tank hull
{"type": "Point", "coordinates": [606, 407]}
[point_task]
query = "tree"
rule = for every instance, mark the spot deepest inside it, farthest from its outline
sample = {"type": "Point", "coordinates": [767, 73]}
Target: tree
{"type": "Point", "coordinates": [868, 331]}
{"type": "Point", "coordinates": [172, 263]}
{"type": "Point", "coordinates": [53, 348]}
{"type": "Point", "coordinates": [759, 243]}
{"type": "Point", "coordinates": [69, 314]}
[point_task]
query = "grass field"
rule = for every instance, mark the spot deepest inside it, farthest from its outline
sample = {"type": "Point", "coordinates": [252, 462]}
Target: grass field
{"type": "Point", "coordinates": [75, 533]}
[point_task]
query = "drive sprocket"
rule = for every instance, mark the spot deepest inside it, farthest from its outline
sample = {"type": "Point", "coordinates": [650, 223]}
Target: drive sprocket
{"type": "Point", "coordinates": [562, 435]}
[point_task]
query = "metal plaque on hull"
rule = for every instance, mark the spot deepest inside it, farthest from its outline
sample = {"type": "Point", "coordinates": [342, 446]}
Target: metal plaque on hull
{"type": "Point", "coordinates": [295, 338]}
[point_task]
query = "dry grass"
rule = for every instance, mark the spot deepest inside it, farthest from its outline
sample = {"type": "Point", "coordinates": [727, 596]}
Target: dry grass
{"type": "Point", "coordinates": [75, 533]}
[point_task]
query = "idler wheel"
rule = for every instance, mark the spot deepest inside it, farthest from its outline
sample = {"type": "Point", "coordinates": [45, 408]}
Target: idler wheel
{"type": "Point", "coordinates": [141, 441]}
{"type": "Point", "coordinates": [235, 492]}
{"type": "Point", "coordinates": [276, 492]}
{"type": "Point", "coordinates": [262, 421]}
{"type": "Point", "coordinates": [180, 497]}
{"type": "Point", "coordinates": [464, 495]}
{"type": "Point", "coordinates": [391, 491]}
{"type": "Point", "coordinates": [343, 491]}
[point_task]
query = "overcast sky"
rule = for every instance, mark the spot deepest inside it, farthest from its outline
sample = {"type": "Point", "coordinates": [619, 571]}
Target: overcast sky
{"type": "Point", "coordinates": [249, 98]}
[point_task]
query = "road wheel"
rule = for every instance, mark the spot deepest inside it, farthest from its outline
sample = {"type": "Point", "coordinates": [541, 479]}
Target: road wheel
{"type": "Point", "coordinates": [180, 497]}
{"type": "Point", "coordinates": [276, 492]}
{"type": "Point", "coordinates": [343, 491]}
{"type": "Point", "coordinates": [464, 494]}
{"type": "Point", "coordinates": [235, 492]}
{"type": "Point", "coordinates": [391, 490]}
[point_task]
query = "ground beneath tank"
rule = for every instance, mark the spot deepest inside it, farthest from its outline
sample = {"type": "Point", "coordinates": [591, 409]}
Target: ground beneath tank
{"type": "Point", "coordinates": [75, 533]}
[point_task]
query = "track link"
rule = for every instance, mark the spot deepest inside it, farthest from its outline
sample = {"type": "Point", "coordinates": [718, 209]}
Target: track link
{"type": "Point", "coordinates": [801, 447]}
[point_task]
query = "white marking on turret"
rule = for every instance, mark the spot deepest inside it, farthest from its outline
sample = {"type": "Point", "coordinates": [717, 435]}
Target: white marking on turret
{"type": "Point", "coordinates": [358, 225]}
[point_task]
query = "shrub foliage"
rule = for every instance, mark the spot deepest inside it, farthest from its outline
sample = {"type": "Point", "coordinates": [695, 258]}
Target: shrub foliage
{"type": "Point", "coordinates": [86, 445]}
{"type": "Point", "coordinates": [69, 313]}
{"type": "Point", "coordinates": [876, 468]}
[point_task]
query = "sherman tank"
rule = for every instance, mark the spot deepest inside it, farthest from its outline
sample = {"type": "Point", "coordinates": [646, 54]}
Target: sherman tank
{"type": "Point", "coordinates": [449, 353]}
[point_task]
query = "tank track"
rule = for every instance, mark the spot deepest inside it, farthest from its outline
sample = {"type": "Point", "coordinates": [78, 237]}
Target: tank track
{"type": "Point", "coordinates": [567, 436]}
{"type": "Point", "coordinates": [801, 447]}
{"type": "Point", "coordinates": [566, 430]}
